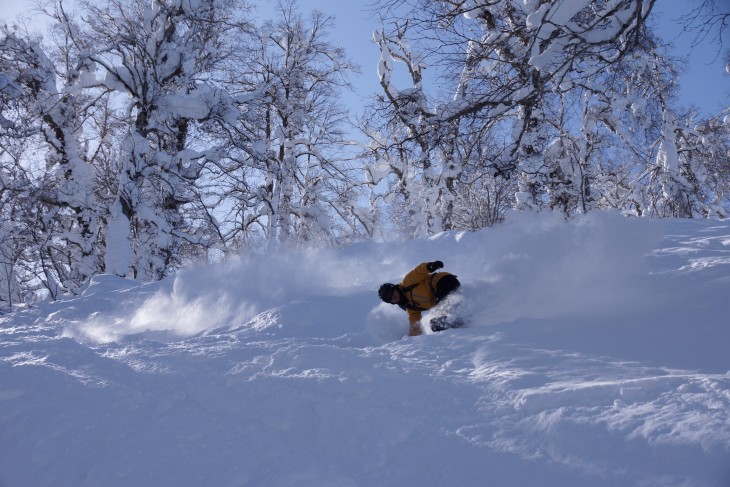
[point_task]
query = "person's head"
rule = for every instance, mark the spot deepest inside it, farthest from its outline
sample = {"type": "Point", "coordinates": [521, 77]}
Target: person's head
{"type": "Point", "coordinates": [389, 293]}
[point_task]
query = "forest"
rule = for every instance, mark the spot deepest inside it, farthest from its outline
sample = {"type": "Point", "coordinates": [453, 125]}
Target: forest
{"type": "Point", "coordinates": [138, 137]}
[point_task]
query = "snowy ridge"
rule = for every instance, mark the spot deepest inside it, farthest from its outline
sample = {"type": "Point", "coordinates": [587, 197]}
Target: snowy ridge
{"type": "Point", "coordinates": [595, 354]}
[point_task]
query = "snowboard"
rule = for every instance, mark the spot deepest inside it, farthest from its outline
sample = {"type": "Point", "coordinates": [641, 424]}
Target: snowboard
{"type": "Point", "coordinates": [446, 314]}
{"type": "Point", "coordinates": [445, 322]}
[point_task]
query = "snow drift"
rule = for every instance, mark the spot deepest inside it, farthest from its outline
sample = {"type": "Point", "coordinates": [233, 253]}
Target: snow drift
{"type": "Point", "coordinates": [595, 354]}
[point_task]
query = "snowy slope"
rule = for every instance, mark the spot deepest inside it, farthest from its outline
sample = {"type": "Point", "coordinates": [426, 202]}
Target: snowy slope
{"type": "Point", "coordinates": [596, 354]}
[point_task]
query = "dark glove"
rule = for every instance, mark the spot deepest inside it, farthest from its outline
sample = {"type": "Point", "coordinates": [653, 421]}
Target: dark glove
{"type": "Point", "coordinates": [432, 266]}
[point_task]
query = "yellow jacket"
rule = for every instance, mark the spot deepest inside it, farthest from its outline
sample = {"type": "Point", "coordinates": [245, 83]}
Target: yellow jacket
{"type": "Point", "coordinates": [418, 289]}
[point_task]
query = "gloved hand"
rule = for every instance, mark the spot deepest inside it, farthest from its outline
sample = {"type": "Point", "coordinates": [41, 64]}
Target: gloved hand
{"type": "Point", "coordinates": [432, 266]}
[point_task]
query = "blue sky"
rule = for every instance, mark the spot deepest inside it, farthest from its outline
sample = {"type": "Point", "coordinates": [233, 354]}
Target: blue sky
{"type": "Point", "coordinates": [705, 83]}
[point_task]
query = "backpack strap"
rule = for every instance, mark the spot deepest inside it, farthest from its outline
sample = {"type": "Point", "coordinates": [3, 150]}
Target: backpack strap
{"type": "Point", "coordinates": [409, 290]}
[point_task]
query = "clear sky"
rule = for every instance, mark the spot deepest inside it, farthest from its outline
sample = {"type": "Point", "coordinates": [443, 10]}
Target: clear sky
{"type": "Point", "coordinates": [705, 84]}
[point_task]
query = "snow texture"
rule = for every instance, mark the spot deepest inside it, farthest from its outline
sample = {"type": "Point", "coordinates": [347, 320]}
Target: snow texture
{"type": "Point", "coordinates": [595, 353]}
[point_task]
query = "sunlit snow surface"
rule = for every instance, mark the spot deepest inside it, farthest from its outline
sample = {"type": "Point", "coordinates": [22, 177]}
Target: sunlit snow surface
{"type": "Point", "coordinates": [595, 353]}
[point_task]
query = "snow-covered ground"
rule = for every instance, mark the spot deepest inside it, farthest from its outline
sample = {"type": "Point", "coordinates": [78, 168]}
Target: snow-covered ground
{"type": "Point", "coordinates": [595, 354]}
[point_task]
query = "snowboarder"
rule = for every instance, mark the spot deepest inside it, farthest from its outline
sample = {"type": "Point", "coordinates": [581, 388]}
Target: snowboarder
{"type": "Point", "coordinates": [421, 289]}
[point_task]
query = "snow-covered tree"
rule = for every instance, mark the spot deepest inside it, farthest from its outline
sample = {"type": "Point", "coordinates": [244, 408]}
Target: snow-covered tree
{"type": "Point", "coordinates": [291, 183]}
{"type": "Point", "coordinates": [43, 109]}
{"type": "Point", "coordinates": [159, 57]}
{"type": "Point", "coordinates": [149, 134]}
{"type": "Point", "coordinates": [634, 118]}
{"type": "Point", "coordinates": [710, 141]}
{"type": "Point", "coordinates": [691, 171]}
{"type": "Point", "coordinates": [424, 159]}
{"type": "Point", "coordinates": [511, 68]}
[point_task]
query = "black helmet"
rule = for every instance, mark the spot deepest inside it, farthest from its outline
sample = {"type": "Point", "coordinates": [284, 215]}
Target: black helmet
{"type": "Point", "coordinates": [386, 292]}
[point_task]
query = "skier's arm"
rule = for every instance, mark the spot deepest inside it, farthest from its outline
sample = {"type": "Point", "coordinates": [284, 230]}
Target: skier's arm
{"type": "Point", "coordinates": [416, 275]}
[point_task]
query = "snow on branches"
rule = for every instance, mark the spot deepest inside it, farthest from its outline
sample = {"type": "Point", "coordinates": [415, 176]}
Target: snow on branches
{"type": "Point", "coordinates": [553, 95]}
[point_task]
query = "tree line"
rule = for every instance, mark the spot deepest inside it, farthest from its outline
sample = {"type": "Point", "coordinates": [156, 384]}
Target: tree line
{"type": "Point", "coordinates": [137, 136]}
